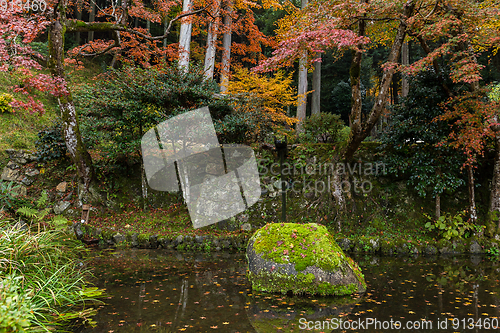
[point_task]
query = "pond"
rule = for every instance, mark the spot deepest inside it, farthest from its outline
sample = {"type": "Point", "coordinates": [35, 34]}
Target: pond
{"type": "Point", "coordinates": [160, 291]}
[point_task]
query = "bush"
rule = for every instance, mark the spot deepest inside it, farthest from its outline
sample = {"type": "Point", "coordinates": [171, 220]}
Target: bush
{"type": "Point", "coordinates": [235, 128]}
{"type": "Point", "coordinates": [322, 128]}
{"type": "Point", "coordinates": [50, 144]}
{"type": "Point", "coordinates": [452, 226]}
{"type": "Point", "coordinates": [15, 313]}
{"type": "Point", "coordinates": [124, 104]}
{"type": "Point", "coordinates": [344, 134]}
{"type": "Point", "coordinates": [5, 100]}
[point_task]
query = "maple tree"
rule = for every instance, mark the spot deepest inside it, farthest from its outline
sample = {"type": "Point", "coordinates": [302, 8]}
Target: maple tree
{"type": "Point", "coordinates": [19, 28]}
{"type": "Point", "coordinates": [325, 25]}
{"type": "Point", "coordinates": [270, 94]}
{"type": "Point", "coordinates": [444, 29]}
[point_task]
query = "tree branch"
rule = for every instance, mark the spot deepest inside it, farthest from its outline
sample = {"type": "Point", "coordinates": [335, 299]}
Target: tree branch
{"type": "Point", "coordinates": [80, 26]}
{"type": "Point", "coordinates": [39, 58]}
{"type": "Point", "coordinates": [431, 12]}
{"type": "Point", "coordinates": [435, 65]}
{"type": "Point", "coordinates": [380, 102]}
{"type": "Point", "coordinates": [115, 44]}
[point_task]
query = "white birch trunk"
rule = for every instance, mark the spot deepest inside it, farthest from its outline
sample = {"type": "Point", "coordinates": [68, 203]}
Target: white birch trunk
{"type": "Point", "coordinates": [210, 52]}
{"type": "Point", "coordinates": [226, 52]}
{"type": "Point", "coordinates": [302, 88]}
{"type": "Point", "coordinates": [185, 38]}
{"type": "Point", "coordinates": [316, 86]}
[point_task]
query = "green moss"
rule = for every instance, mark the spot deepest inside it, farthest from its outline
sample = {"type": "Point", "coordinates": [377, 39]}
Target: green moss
{"type": "Point", "coordinates": [143, 238]}
{"type": "Point", "coordinates": [106, 234]}
{"type": "Point", "coordinates": [298, 284]}
{"type": "Point", "coordinates": [491, 223]}
{"type": "Point", "coordinates": [357, 272]}
{"type": "Point", "coordinates": [302, 244]}
{"type": "Point", "coordinates": [128, 235]}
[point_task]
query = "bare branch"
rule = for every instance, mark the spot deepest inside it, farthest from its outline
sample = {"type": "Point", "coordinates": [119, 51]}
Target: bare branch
{"type": "Point", "coordinates": [432, 11]}
{"type": "Point", "coordinates": [167, 31]}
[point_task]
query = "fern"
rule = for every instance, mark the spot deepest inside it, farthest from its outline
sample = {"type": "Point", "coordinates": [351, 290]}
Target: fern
{"type": "Point", "coordinates": [43, 200]}
{"type": "Point", "coordinates": [59, 222]}
{"type": "Point", "coordinates": [28, 212]}
{"type": "Point", "coordinates": [37, 215]}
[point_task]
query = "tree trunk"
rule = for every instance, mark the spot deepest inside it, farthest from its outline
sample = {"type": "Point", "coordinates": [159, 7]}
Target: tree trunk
{"type": "Point", "coordinates": [302, 93]}
{"type": "Point", "coordinates": [92, 19]}
{"type": "Point", "coordinates": [79, 18]}
{"type": "Point", "coordinates": [213, 29]}
{"type": "Point", "coordinates": [71, 131]}
{"type": "Point", "coordinates": [302, 86]}
{"type": "Point", "coordinates": [185, 38]}
{"type": "Point", "coordinates": [360, 131]}
{"type": "Point", "coordinates": [472, 199]}
{"type": "Point", "coordinates": [226, 49]}
{"type": "Point", "coordinates": [316, 86]}
{"type": "Point", "coordinates": [165, 27]}
{"type": "Point", "coordinates": [337, 190]}
{"type": "Point", "coordinates": [355, 78]}
{"type": "Point", "coordinates": [438, 196]}
{"type": "Point", "coordinates": [438, 206]}
{"type": "Point", "coordinates": [495, 182]}
{"type": "Point", "coordinates": [405, 61]}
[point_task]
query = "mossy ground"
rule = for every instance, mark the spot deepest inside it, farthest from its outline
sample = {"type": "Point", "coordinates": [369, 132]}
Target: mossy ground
{"type": "Point", "coordinates": [169, 222]}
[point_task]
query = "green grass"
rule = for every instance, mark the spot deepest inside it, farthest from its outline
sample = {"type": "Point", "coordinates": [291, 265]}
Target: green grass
{"type": "Point", "coordinates": [42, 281]}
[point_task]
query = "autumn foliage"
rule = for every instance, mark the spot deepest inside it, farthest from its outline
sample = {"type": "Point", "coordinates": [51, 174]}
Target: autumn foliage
{"type": "Point", "coordinates": [472, 118]}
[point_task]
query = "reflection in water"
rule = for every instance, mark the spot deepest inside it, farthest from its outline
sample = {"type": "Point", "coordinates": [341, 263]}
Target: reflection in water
{"type": "Point", "coordinates": [278, 313]}
{"type": "Point", "coordinates": [159, 291]}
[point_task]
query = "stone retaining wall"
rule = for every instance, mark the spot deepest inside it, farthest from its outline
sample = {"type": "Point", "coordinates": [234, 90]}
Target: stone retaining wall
{"type": "Point", "coordinates": [206, 243]}
{"type": "Point", "coordinates": [239, 242]}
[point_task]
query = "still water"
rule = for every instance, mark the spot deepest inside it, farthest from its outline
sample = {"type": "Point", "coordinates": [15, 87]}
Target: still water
{"type": "Point", "coordinates": [159, 291]}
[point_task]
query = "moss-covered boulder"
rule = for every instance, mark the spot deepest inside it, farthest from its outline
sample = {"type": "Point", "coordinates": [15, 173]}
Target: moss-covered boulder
{"type": "Point", "coordinates": [302, 259]}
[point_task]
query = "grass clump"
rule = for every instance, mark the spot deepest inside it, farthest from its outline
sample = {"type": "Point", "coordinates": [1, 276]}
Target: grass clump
{"type": "Point", "coordinates": [42, 281]}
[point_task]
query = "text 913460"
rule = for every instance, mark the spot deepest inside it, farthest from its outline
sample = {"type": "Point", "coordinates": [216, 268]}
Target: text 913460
{"type": "Point", "coordinates": [20, 5]}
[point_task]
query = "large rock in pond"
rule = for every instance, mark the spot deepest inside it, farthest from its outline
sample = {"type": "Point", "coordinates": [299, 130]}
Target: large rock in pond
{"type": "Point", "coordinates": [302, 259]}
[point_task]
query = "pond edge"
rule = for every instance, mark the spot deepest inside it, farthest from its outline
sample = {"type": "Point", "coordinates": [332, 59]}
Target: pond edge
{"type": "Point", "coordinates": [238, 243]}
